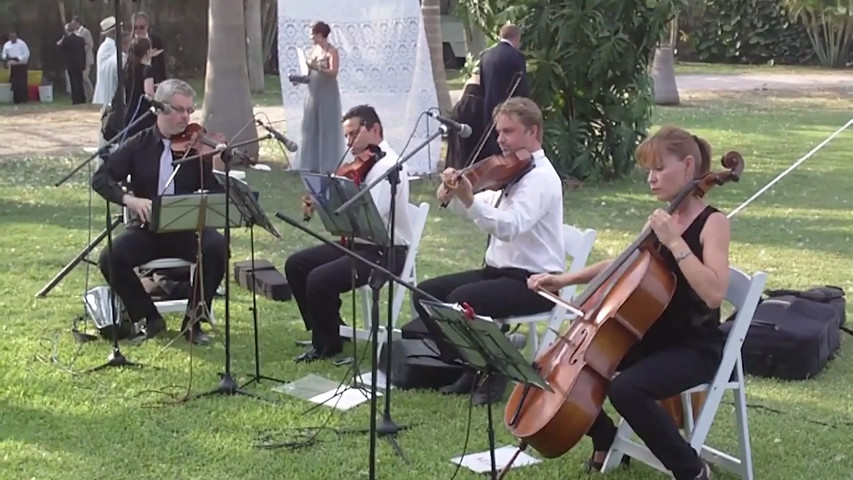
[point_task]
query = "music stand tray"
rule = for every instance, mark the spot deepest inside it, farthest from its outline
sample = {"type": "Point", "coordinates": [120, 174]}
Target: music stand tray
{"type": "Point", "coordinates": [482, 344]}
{"type": "Point", "coordinates": [362, 220]}
{"type": "Point", "coordinates": [246, 202]}
{"type": "Point", "coordinates": [183, 213]}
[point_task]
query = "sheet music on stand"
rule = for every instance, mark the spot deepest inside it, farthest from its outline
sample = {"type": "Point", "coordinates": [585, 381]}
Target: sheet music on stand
{"type": "Point", "coordinates": [482, 344]}
{"type": "Point", "coordinates": [363, 220]}
{"type": "Point", "coordinates": [183, 213]}
{"type": "Point", "coordinates": [246, 202]}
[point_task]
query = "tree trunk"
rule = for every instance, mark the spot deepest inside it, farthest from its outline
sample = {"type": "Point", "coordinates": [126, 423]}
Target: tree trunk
{"type": "Point", "coordinates": [432, 25]}
{"type": "Point", "coordinates": [663, 75]}
{"type": "Point", "coordinates": [227, 99]}
{"type": "Point", "coordinates": [254, 45]}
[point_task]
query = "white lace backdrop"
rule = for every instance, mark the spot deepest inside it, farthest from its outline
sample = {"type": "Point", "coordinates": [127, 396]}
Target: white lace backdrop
{"type": "Point", "coordinates": [384, 63]}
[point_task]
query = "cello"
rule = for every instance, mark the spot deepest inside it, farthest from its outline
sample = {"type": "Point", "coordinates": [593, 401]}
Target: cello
{"type": "Point", "coordinates": [613, 313]}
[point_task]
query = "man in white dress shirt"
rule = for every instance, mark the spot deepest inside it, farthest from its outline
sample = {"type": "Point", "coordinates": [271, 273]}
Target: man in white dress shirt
{"type": "Point", "coordinates": [319, 275]}
{"type": "Point", "coordinates": [524, 223]}
{"type": "Point", "coordinates": [16, 54]}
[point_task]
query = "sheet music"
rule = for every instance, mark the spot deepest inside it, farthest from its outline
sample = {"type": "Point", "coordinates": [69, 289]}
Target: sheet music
{"type": "Point", "coordinates": [302, 60]}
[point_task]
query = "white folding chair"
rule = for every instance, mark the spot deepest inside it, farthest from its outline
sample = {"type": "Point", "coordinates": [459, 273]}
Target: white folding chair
{"type": "Point", "coordinates": [743, 293]}
{"type": "Point", "coordinates": [169, 306]}
{"type": "Point", "coordinates": [418, 216]}
{"type": "Point", "coordinates": [578, 245]}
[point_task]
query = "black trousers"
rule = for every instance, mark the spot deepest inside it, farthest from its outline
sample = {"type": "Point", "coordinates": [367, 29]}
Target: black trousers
{"type": "Point", "coordinates": [136, 246]}
{"type": "Point", "coordinates": [493, 292]}
{"type": "Point", "coordinates": [75, 79]}
{"type": "Point", "coordinates": [643, 380]}
{"type": "Point", "coordinates": [318, 275]}
{"type": "Point", "coordinates": [18, 79]}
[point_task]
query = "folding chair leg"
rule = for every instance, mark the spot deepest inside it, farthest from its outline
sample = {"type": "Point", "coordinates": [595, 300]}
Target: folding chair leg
{"type": "Point", "coordinates": [743, 427]}
{"type": "Point", "coordinates": [615, 454]}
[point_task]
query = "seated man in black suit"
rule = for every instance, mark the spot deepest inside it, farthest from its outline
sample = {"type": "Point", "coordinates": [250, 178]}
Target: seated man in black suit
{"type": "Point", "coordinates": [147, 158]}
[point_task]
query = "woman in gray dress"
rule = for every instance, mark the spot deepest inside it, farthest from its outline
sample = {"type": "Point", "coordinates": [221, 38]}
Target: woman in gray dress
{"type": "Point", "coordinates": [322, 141]}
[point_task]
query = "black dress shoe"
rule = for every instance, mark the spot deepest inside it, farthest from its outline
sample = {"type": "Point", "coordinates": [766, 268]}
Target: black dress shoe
{"type": "Point", "coordinates": [154, 326]}
{"type": "Point", "coordinates": [308, 356]}
{"type": "Point", "coordinates": [593, 466]}
{"type": "Point", "coordinates": [195, 334]}
{"type": "Point", "coordinates": [491, 391]}
{"type": "Point", "coordinates": [462, 385]}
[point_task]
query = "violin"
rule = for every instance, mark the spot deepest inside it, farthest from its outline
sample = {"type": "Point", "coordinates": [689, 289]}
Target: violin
{"type": "Point", "coordinates": [613, 313]}
{"type": "Point", "coordinates": [495, 172]}
{"type": "Point", "coordinates": [195, 139]}
{"type": "Point", "coordinates": [355, 170]}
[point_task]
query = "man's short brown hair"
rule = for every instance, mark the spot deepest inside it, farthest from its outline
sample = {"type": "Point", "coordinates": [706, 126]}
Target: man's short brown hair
{"type": "Point", "coordinates": [525, 111]}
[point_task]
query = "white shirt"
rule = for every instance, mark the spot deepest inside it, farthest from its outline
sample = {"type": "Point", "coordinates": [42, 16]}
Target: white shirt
{"type": "Point", "coordinates": [381, 195]}
{"type": "Point", "coordinates": [165, 170]}
{"type": "Point", "coordinates": [526, 228]}
{"type": "Point", "coordinates": [18, 50]}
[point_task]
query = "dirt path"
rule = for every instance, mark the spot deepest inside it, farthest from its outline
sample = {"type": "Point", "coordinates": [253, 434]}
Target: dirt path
{"type": "Point", "coordinates": [67, 131]}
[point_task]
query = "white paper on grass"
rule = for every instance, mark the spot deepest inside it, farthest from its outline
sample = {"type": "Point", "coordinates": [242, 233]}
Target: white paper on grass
{"type": "Point", "coordinates": [481, 462]}
{"type": "Point", "coordinates": [343, 398]}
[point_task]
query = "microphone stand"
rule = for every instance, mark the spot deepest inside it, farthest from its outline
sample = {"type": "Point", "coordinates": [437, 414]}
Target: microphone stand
{"type": "Point", "coordinates": [387, 428]}
{"type": "Point", "coordinates": [227, 384]}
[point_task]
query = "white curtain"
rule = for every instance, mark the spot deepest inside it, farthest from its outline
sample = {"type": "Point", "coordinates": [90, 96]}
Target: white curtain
{"type": "Point", "coordinates": [384, 63]}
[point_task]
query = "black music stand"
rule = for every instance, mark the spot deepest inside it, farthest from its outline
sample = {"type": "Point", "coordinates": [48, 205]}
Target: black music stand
{"type": "Point", "coordinates": [362, 221]}
{"type": "Point", "coordinates": [483, 346]}
{"type": "Point", "coordinates": [251, 214]}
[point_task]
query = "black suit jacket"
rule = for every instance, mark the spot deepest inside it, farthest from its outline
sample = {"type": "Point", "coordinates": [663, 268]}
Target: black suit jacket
{"type": "Point", "coordinates": [139, 157]}
{"type": "Point", "coordinates": [73, 52]}
{"type": "Point", "coordinates": [498, 68]}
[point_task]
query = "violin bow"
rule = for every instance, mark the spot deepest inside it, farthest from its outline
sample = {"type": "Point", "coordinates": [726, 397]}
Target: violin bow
{"type": "Point", "coordinates": [789, 169]}
{"type": "Point", "coordinates": [484, 138]}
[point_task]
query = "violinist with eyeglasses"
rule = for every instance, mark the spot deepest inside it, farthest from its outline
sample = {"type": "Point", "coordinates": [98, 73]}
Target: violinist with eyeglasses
{"type": "Point", "coordinates": [147, 158]}
{"type": "Point", "coordinates": [319, 275]}
{"type": "Point", "coordinates": [521, 210]}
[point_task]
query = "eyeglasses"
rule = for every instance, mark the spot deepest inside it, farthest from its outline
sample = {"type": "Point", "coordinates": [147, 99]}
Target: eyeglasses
{"type": "Point", "coordinates": [187, 110]}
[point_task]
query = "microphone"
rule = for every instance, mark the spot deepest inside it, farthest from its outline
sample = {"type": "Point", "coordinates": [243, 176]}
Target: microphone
{"type": "Point", "coordinates": [163, 107]}
{"type": "Point", "coordinates": [464, 130]}
{"type": "Point", "coordinates": [289, 144]}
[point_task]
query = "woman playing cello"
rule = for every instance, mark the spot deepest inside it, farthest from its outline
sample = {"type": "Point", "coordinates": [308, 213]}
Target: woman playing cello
{"type": "Point", "coordinates": [683, 348]}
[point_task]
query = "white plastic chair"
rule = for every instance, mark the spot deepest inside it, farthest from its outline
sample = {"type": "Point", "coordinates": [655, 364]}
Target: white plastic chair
{"type": "Point", "coordinates": [743, 293]}
{"type": "Point", "coordinates": [418, 217]}
{"type": "Point", "coordinates": [578, 245]}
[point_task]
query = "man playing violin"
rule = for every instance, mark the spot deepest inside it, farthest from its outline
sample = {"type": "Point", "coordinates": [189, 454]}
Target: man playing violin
{"type": "Point", "coordinates": [683, 348]}
{"type": "Point", "coordinates": [147, 158]}
{"type": "Point", "coordinates": [524, 223]}
{"type": "Point", "coordinates": [319, 275]}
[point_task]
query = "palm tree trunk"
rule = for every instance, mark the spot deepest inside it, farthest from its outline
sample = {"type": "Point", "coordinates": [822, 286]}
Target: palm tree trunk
{"type": "Point", "coordinates": [227, 99]}
{"type": "Point", "coordinates": [432, 25]}
{"type": "Point", "coordinates": [254, 45]}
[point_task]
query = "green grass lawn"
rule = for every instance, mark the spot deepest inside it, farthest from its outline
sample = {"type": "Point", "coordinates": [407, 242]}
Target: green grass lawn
{"type": "Point", "coordinates": [113, 424]}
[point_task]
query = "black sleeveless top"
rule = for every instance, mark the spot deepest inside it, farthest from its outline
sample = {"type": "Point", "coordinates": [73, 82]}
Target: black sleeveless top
{"type": "Point", "coordinates": [687, 320]}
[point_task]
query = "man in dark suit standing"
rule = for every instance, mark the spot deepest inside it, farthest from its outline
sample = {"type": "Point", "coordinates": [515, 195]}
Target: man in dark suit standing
{"type": "Point", "coordinates": [74, 52]}
{"type": "Point", "coordinates": [500, 67]}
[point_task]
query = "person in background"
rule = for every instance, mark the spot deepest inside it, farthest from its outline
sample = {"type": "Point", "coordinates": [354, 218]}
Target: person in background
{"type": "Point", "coordinates": [73, 48]}
{"type": "Point", "coordinates": [468, 110]}
{"type": "Point", "coordinates": [16, 54]}
{"type": "Point", "coordinates": [89, 48]}
{"type": "Point", "coordinates": [138, 82]}
{"type": "Point", "coordinates": [141, 29]}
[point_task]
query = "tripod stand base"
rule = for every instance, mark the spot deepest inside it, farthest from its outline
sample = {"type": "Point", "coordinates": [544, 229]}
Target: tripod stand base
{"type": "Point", "coordinates": [227, 386]}
{"type": "Point", "coordinates": [116, 359]}
{"type": "Point", "coordinates": [258, 378]}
